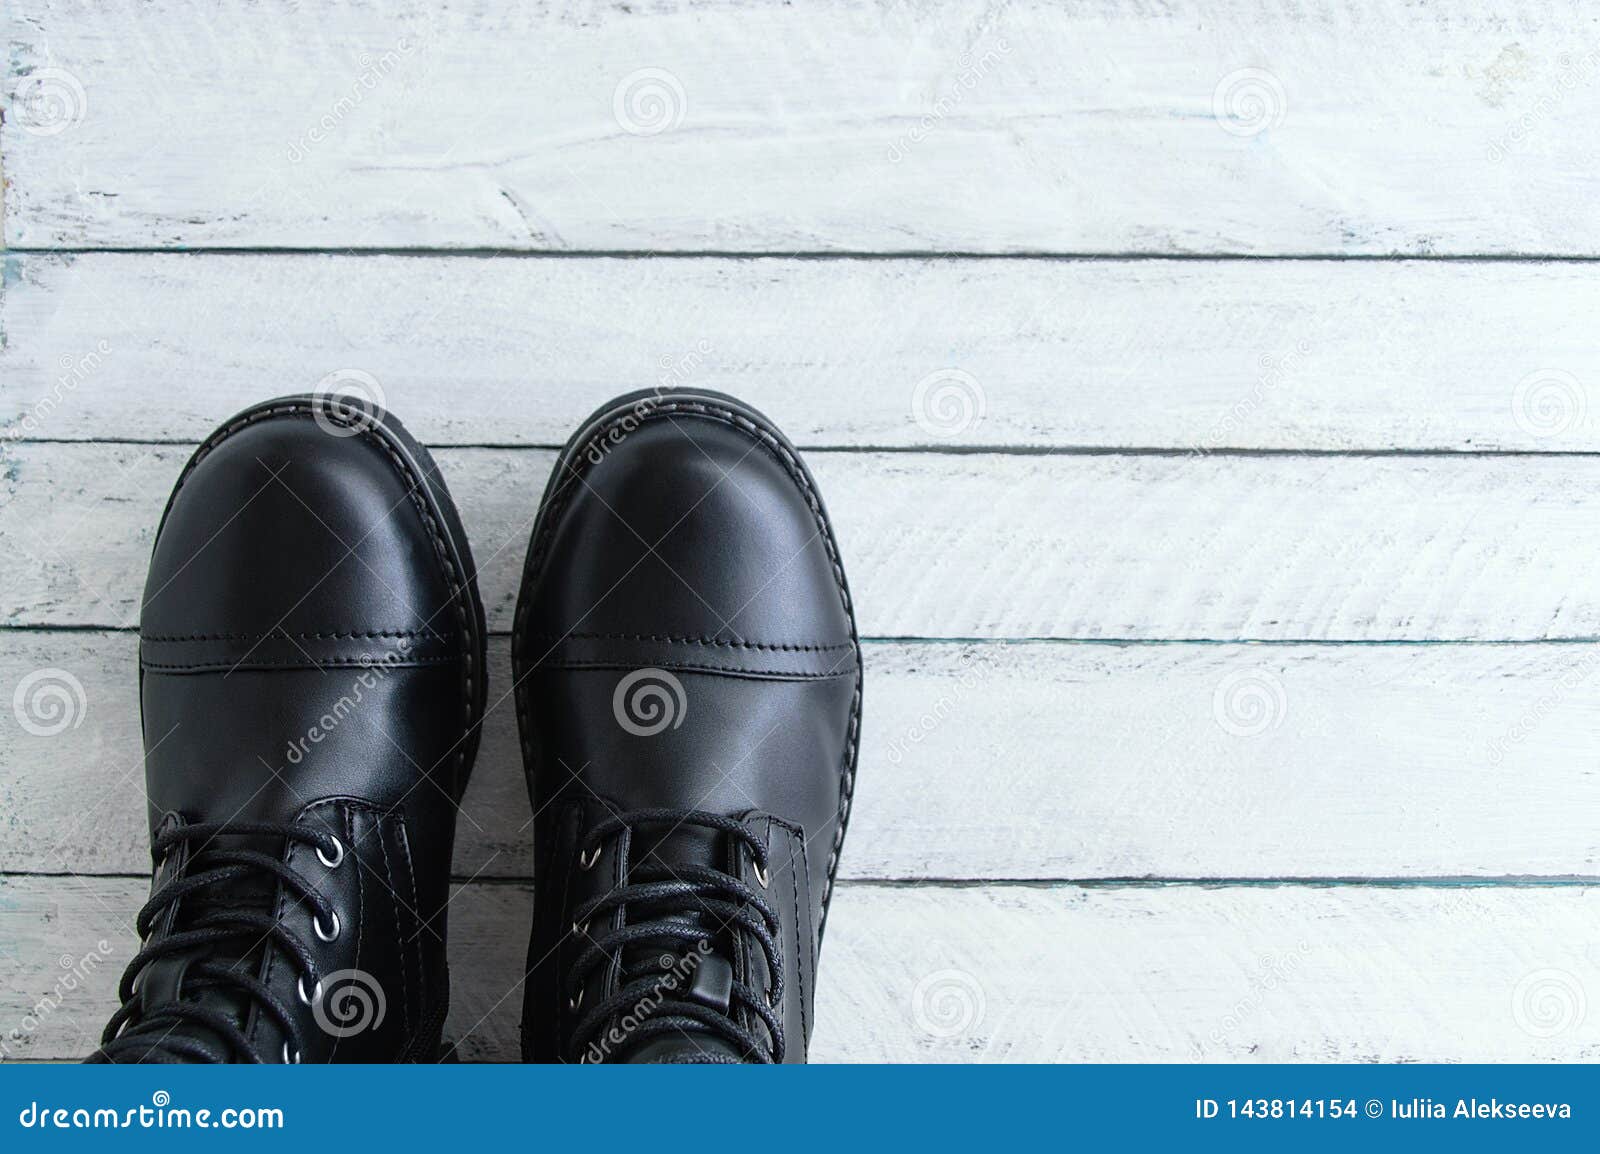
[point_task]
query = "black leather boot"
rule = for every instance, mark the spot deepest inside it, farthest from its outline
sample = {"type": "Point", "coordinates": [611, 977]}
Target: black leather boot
{"type": "Point", "coordinates": [688, 688]}
{"type": "Point", "coordinates": [312, 678]}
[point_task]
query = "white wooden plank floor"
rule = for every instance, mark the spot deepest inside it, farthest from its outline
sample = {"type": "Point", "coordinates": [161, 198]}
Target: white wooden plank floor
{"type": "Point", "coordinates": [1205, 394]}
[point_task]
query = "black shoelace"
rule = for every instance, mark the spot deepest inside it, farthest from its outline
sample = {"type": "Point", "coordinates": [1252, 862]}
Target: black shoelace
{"type": "Point", "coordinates": [729, 907]}
{"type": "Point", "coordinates": [157, 1033]}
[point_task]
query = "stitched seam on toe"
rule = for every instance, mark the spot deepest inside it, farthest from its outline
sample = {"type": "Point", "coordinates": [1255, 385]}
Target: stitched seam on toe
{"type": "Point", "coordinates": [566, 486]}
{"type": "Point", "coordinates": [692, 667]}
{"type": "Point", "coordinates": [717, 641]}
{"type": "Point", "coordinates": [290, 663]}
{"type": "Point", "coordinates": [317, 636]}
{"type": "Point", "coordinates": [458, 592]}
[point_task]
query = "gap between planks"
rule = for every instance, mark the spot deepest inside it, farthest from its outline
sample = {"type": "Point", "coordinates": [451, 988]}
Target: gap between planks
{"type": "Point", "coordinates": [924, 450]}
{"type": "Point", "coordinates": [936, 357]}
{"type": "Point", "coordinates": [934, 254]}
{"type": "Point", "coordinates": [998, 642]}
{"type": "Point", "coordinates": [1519, 881]}
{"type": "Point", "coordinates": [1100, 761]}
{"type": "Point", "coordinates": [1119, 974]}
{"type": "Point", "coordinates": [1102, 547]}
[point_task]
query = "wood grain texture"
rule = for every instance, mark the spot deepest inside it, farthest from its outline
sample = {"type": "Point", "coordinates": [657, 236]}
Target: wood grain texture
{"type": "Point", "coordinates": [1017, 974]}
{"type": "Point", "coordinates": [1091, 761]}
{"type": "Point", "coordinates": [1156, 745]}
{"type": "Point", "coordinates": [700, 125]}
{"type": "Point", "coordinates": [1318, 355]}
{"type": "Point", "coordinates": [979, 545]}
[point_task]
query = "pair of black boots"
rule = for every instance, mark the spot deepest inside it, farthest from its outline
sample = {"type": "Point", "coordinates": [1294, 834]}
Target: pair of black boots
{"type": "Point", "coordinates": [687, 682]}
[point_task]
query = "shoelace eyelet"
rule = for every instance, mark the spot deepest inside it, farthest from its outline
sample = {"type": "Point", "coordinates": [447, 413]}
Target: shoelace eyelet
{"type": "Point", "coordinates": [587, 860]}
{"type": "Point", "coordinates": [314, 996]}
{"type": "Point", "coordinates": [762, 876]}
{"type": "Point", "coordinates": [330, 935]}
{"type": "Point", "coordinates": [290, 1057]}
{"type": "Point", "coordinates": [574, 1003]}
{"type": "Point", "coordinates": [338, 854]}
{"type": "Point", "coordinates": [577, 929]}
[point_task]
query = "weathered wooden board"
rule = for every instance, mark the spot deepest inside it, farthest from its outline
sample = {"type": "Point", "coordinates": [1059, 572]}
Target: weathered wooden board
{"type": "Point", "coordinates": [983, 545]}
{"type": "Point", "coordinates": [1042, 760]}
{"type": "Point", "coordinates": [531, 134]}
{"type": "Point", "coordinates": [1201, 355]}
{"type": "Point", "coordinates": [701, 125]}
{"type": "Point", "coordinates": [1061, 973]}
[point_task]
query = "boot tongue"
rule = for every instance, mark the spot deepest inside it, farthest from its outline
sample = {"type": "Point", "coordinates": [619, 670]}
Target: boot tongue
{"type": "Point", "coordinates": [697, 970]}
{"type": "Point", "coordinates": [670, 854]}
{"type": "Point", "coordinates": [173, 979]}
{"type": "Point", "coordinates": [675, 849]}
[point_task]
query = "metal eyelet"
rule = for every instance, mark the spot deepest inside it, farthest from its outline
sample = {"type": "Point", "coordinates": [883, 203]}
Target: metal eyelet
{"type": "Point", "coordinates": [574, 1003]}
{"type": "Point", "coordinates": [330, 935]}
{"type": "Point", "coordinates": [338, 854]}
{"type": "Point", "coordinates": [761, 875]}
{"type": "Point", "coordinates": [586, 860]}
{"type": "Point", "coordinates": [577, 929]}
{"type": "Point", "coordinates": [314, 996]}
{"type": "Point", "coordinates": [290, 1057]}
